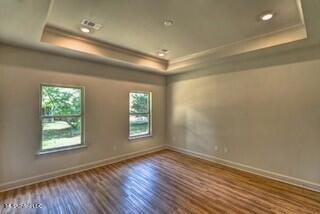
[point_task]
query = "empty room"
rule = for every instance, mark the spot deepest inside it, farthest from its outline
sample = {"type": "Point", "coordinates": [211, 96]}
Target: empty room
{"type": "Point", "coordinates": [160, 106]}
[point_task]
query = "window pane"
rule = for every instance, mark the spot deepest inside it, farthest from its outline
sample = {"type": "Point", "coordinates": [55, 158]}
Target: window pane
{"type": "Point", "coordinates": [139, 125]}
{"type": "Point", "coordinates": [60, 101]}
{"type": "Point", "coordinates": [139, 102]}
{"type": "Point", "coordinates": [60, 132]}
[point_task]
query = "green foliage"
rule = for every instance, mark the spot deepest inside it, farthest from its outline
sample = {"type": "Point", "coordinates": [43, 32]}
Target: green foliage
{"type": "Point", "coordinates": [58, 131]}
{"type": "Point", "coordinates": [139, 103]}
{"type": "Point", "coordinates": [139, 110]}
{"type": "Point", "coordinates": [139, 129]}
{"type": "Point", "coordinates": [57, 101]}
{"type": "Point", "coordinates": [61, 101]}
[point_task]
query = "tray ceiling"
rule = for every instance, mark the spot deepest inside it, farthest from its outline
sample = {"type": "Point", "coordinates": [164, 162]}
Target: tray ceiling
{"type": "Point", "coordinates": [133, 31]}
{"type": "Point", "coordinates": [198, 25]}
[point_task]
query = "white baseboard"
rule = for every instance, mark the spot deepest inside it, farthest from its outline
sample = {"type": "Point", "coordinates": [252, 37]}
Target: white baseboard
{"type": "Point", "coordinates": [60, 173]}
{"type": "Point", "coordinates": [272, 175]}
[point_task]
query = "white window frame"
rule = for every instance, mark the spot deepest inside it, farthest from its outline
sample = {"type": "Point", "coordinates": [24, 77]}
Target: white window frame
{"type": "Point", "coordinates": [81, 115]}
{"type": "Point", "coordinates": [149, 113]}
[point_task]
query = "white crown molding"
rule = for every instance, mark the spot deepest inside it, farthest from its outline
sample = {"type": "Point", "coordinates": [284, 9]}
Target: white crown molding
{"type": "Point", "coordinates": [283, 36]}
{"type": "Point", "coordinates": [117, 54]}
{"type": "Point", "coordinates": [66, 39]}
{"type": "Point", "coordinates": [279, 37]}
{"type": "Point", "coordinates": [300, 11]}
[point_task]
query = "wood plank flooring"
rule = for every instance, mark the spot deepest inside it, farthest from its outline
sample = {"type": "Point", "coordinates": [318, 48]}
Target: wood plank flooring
{"type": "Point", "coordinates": [163, 182]}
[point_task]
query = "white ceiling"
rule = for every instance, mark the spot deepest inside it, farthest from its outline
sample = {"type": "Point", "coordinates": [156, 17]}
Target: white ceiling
{"type": "Point", "coordinates": [199, 25]}
{"type": "Point", "coordinates": [206, 29]}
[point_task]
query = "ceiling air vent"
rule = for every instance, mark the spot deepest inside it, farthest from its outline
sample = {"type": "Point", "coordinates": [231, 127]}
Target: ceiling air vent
{"type": "Point", "coordinates": [91, 24]}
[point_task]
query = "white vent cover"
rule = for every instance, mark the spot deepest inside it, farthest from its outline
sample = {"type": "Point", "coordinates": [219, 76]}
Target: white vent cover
{"type": "Point", "coordinates": [91, 24]}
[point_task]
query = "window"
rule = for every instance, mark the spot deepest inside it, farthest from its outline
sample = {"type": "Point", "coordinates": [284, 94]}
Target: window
{"type": "Point", "coordinates": [61, 117]}
{"type": "Point", "coordinates": [140, 118]}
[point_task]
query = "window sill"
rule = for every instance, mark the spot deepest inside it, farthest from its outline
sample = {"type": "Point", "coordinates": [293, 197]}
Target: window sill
{"type": "Point", "coordinates": [139, 137]}
{"type": "Point", "coordinates": [61, 149]}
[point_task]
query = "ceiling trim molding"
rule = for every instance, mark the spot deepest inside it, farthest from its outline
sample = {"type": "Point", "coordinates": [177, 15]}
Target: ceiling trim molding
{"type": "Point", "coordinates": [66, 39]}
{"type": "Point", "coordinates": [300, 11]}
{"type": "Point", "coordinates": [275, 38]}
{"type": "Point", "coordinates": [283, 36]}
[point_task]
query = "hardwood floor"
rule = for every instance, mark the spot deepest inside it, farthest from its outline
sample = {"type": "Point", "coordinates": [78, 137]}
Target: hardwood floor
{"type": "Point", "coordinates": [163, 182]}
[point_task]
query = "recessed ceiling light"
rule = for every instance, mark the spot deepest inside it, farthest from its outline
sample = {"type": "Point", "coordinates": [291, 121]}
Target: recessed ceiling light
{"type": "Point", "coordinates": [161, 54]}
{"type": "Point", "coordinates": [267, 16]}
{"type": "Point", "coordinates": [85, 30]}
{"type": "Point", "coordinates": [168, 22]}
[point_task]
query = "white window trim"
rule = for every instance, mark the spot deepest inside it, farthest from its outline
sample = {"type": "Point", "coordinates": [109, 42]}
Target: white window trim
{"type": "Point", "coordinates": [82, 116]}
{"type": "Point", "coordinates": [136, 137]}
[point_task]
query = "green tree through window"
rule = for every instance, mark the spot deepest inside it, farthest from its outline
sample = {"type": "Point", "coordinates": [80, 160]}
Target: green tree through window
{"type": "Point", "coordinates": [61, 116]}
{"type": "Point", "coordinates": [140, 114]}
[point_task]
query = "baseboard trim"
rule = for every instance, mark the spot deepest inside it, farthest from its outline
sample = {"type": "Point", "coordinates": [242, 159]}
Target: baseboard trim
{"type": "Point", "coordinates": [72, 170]}
{"type": "Point", "coordinates": [64, 172]}
{"type": "Point", "coordinates": [268, 174]}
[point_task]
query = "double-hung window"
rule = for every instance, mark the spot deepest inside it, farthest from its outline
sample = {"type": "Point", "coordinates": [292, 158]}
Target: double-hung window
{"type": "Point", "coordinates": [140, 114]}
{"type": "Point", "coordinates": [62, 117]}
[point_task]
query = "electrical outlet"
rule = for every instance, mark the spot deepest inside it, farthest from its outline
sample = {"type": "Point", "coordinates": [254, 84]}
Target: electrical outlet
{"type": "Point", "coordinates": [225, 150]}
{"type": "Point", "coordinates": [216, 148]}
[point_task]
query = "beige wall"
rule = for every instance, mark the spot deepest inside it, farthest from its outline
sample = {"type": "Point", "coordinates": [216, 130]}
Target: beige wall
{"type": "Point", "coordinates": [106, 109]}
{"type": "Point", "coordinates": [265, 113]}
{"type": "Point", "coordinates": [266, 117]}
